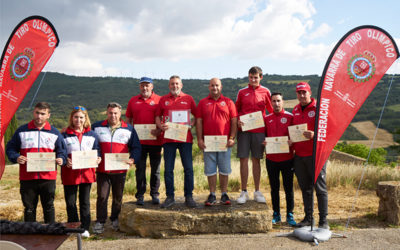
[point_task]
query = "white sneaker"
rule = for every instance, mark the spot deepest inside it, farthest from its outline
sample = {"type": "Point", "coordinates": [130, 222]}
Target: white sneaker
{"type": "Point", "coordinates": [259, 197]}
{"type": "Point", "coordinates": [98, 228]}
{"type": "Point", "coordinates": [85, 234]}
{"type": "Point", "coordinates": [244, 196]}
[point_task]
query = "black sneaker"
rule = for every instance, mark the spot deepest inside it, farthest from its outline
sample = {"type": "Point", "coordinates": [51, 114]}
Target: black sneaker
{"type": "Point", "coordinates": [189, 202]}
{"type": "Point", "coordinates": [211, 200]}
{"type": "Point", "coordinates": [155, 200]}
{"type": "Point", "coordinates": [140, 201]}
{"type": "Point", "coordinates": [168, 202]}
{"type": "Point", "coordinates": [225, 199]}
{"type": "Point", "coordinates": [306, 222]}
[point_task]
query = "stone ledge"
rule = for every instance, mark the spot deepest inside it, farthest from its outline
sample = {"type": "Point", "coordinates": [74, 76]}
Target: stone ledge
{"type": "Point", "coordinates": [154, 222]}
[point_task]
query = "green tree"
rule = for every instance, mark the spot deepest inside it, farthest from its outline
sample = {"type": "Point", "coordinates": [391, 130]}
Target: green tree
{"type": "Point", "coordinates": [377, 156]}
{"type": "Point", "coordinates": [12, 126]}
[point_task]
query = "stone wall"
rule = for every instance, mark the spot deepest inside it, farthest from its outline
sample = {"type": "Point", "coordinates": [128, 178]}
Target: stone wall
{"type": "Point", "coordinates": [345, 157]}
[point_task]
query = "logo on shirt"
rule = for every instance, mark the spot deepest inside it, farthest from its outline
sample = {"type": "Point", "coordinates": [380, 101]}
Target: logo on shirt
{"type": "Point", "coordinates": [209, 103]}
{"type": "Point", "coordinates": [184, 103]}
{"type": "Point", "coordinates": [283, 120]}
{"type": "Point", "coordinates": [166, 103]}
{"type": "Point", "coordinates": [247, 94]}
{"type": "Point", "coordinates": [138, 102]}
{"type": "Point", "coordinates": [152, 103]}
{"type": "Point", "coordinates": [311, 114]}
{"type": "Point", "coordinates": [222, 103]}
{"type": "Point", "coordinates": [47, 141]}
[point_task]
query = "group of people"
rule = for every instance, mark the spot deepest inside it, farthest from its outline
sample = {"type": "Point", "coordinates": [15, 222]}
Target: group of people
{"type": "Point", "coordinates": [215, 115]}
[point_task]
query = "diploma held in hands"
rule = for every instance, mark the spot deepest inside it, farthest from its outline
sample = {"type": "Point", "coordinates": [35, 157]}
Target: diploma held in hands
{"type": "Point", "coordinates": [215, 143]}
{"type": "Point", "coordinates": [296, 132]}
{"type": "Point", "coordinates": [176, 131]}
{"type": "Point", "coordinates": [84, 159]}
{"type": "Point", "coordinates": [116, 161]}
{"type": "Point", "coordinates": [41, 162]}
{"type": "Point", "coordinates": [252, 121]}
{"type": "Point", "coordinates": [277, 145]}
{"type": "Point", "coordinates": [144, 131]}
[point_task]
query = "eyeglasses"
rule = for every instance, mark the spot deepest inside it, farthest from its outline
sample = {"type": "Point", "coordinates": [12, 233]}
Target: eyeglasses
{"type": "Point", "coordinates": [81, 108]}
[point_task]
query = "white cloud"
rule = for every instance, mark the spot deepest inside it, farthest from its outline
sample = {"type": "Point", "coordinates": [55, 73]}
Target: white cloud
{"type": "Point", "coordinates": [321, 31]}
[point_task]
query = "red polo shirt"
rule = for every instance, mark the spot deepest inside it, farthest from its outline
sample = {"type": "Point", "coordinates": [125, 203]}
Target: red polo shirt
{"type": "Point", "coordinates": [276, 124]}
{"type": "Point", "coordinates": [216, 115]}
{"type": "Point", "coordinates": [250, 100]}
{"type": "Point", "coordinates": [169, 103]}
{"type": "Point", "coordinates": [305, 148]}
{"type": "Point", "coordinates": [144, 112]}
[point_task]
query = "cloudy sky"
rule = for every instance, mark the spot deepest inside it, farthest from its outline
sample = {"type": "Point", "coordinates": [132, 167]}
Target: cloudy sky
{"type": "Point", "coordinates": [198, 39]}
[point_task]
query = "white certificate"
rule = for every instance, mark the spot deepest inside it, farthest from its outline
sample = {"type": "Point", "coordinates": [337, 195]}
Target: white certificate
{"type": "Point", "coordinates": [84, 159]}
{"type": "Point", "coordinates": [296, 132]}
{"type": "Point", "coordinates": [252, 121]}
{"type": "Point", "coordinates": [277, 145]}
{"type": "Point", "coordinates": [116, 161]}
{"type": "Point", "coordinates": [144, 131]}
{"type": "Point", "coordinates": [215, 143]}
{"type": "Point", "coordinates": [176, 131]}
{"type": "Point", "coordinates": [180, 116]}
{"type": "Point", "coordinates": [41, 162]}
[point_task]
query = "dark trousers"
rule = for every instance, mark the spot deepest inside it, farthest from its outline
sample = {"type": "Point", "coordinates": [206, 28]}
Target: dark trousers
{"type": "Point", "coordinates": [70, 194]}
{"type": "Point", "coordinates": [105, 182]}
{"type": "Point", "coordinates": [30, 191]}
{"type": "Point", "coordinates": [305, 176]}
{"type": "Point", "coordinates": [274, 169]}
{"type": "Point", "coordinates": [185, 150]}
{"type": "Point", "coordinates": [154, 153]}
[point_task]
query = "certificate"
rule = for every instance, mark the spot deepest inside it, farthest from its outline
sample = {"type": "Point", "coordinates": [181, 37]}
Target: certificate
{"type": "Point", "coordinates": [296, 132]}
{"type": "Point", "coordinates": [215, 143]}
{"type": "Point", "coordinates": [176, 131]}
{"type": "Point", "coordinates": [144, 131]}
{"type": "Point", "coordinates": [84, 159]}
{"type": "Point", "coordinates": [252, 121]}
{"type": "Point", "coordinates": [180, 116]}
{"type": "Point", "coordinates": [277, 145]}
{"type": "Point", "coordinates": [116, 161]}
{"type": "Point", "coordinates": [40, 162]}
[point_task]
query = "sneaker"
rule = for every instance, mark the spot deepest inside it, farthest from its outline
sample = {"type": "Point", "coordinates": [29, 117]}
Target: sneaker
{"type": "Point", "coordinates": [85, 234]}
{"type": "Point", "coordinates": [115, 225]}
{"type": "Point", "coordinates": [140, 201]}
{"type": "Point", "coordinates": [155, 200]}
{"type": "Point", "coordinates": [168, 202]}
{"type": "Point", "coordinates": [306, 222]}
{"type": "Point", "coordinates": [225, 199]}
{"type": "Point", "coordinates": [98, 228]}
{"type": "Point", "coordinates": [211, 200]}
{"type": "Point", "coordinates": [276, 217]}
{"type": "Point", "coordinates": [244, 196]}
{"type": "Point", "coordinates": [189, 202]}
{"type": "Point", "coordinates": [323, 223]}
{"type": "Point", "coordinates": [290, 220]}
{"type": "Point", "coordinates": [259, 197]}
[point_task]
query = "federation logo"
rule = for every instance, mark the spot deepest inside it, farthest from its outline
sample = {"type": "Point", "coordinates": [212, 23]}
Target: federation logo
{"type": "Point", "coordinates": [21, 65]}
{"type": "Point", "coordinates": [223, 103]}
{"type": "Point", "coordinates": [361, 68]}
{"type": "Point", "coordinates": [311, 114]}
{"type": "Point", "coordinates": [283, 120]}
{"type": "Point", "coordinates": [166, 103]}
{"type": "Point", "coordinates": [152, 103]}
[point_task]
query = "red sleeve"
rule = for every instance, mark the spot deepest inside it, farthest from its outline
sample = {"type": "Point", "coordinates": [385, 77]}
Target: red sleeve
{"type": "Point", "coordinates": [159, 108]}
{"type": "Point", "coordinates": [238, 102]}
{"type": "Point", "coordinates": [193, 106]}
{"type": "Point", "coordinates": [268, 105]}
{"type": "Point", "coordinates": [128, 112]}
{"type": "Point", "coordinates": [232, 109]}
{"type": "Point", "coordinates": [199, 110]}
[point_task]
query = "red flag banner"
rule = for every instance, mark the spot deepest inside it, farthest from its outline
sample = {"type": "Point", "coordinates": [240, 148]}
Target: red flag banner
{"type": "Point", "coordinates": [26, 52]}
{"type": "Point", "coordinates": [355, 66]}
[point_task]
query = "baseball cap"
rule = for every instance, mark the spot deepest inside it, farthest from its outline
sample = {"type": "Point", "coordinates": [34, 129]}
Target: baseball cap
{"type": "Point", "coordinates": [303, 86]}
{"type": "Point", "coordinates": [146, 79]}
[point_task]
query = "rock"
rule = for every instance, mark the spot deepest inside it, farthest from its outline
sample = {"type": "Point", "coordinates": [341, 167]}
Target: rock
{"type": "Point", "coordinates": [389, 201]}
{"type": "Point", "coordinates": [152, 221]}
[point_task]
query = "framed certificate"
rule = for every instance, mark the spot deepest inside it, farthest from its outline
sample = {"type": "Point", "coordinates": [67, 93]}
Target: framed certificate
{"type": "Point", "coordinates": [180, 116]}
{"type": "Point", "coordinates": [215, 143]}
{"type": "Point", "coordinates": [277, 145]}
{"type": "Point", "coordinates": [84, 159]}
{"type": "Point", "coordinates": [144, 131]}
{"type": "Point", "coordinates": [116, 161]}
{"type": "Point", "coordinates": [176, 131]}
{"type": "Point", "coordinates": [41, 162]}
{"type": "Point", "coordinates": [252, 121]}
{"type": "Point", "coordinates": [296, 132]}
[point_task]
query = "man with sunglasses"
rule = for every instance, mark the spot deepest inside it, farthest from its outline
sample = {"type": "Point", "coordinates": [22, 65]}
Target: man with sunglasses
{"type": "Point", "coordinates": [115, 136]}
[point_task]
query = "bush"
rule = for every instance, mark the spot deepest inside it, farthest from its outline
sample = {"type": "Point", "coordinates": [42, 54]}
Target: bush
{"type": "Point", "coordinates": [377, 156]}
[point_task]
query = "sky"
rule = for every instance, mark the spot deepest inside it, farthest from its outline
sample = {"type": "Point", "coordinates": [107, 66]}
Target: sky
{"type": "Point", "coordinates": [198, 39]}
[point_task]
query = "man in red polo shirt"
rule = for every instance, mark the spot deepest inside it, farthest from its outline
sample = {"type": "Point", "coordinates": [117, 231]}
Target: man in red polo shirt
{"type": "Point", "coordinates": [141, 110]}
{"type": "Point", "coordinates": [216, 116]}
{"type": "Point", "coordinates": [176, 107]}
{"type": "Point", "coordinates": [251, 99]}
{"type": "Point", "coordinates": [276, 125]}
{"type": "Point", "coordinates": [304, 112]}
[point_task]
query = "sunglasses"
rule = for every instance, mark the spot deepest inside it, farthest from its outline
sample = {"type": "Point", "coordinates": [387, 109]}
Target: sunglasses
{"type": "Point", "coordinates": [81, 108]}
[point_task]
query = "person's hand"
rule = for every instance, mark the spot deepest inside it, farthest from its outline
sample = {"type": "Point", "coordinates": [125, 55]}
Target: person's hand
{"type": "Point", "coordinates": [264, 143]}
{"type": "Point", "coordinates": [21, 159]}
{"type": "Point", "coordinates": [69, 163]}
{"type": "Point", "coordinates": [63, 130]}
{"type": "Point", "coordinates": [130, 162]}
{"type": "Point", "coordinates": [164, 126]}
{"type": "Point", "coordinates": [230, 143]}
{"type": "Point", "coordinates": [290, 143]}
{"type": "Point", "coordinates": [59, 161]}
{"type": "Point", "coordinates": [240, 124]}
{"type": "Point", "coordinates": [98, 160]}
{"type": "Point", "coordinates": [156, 132]}
{"type": "Point", "coordinates": [308, 134]}
{"type": "Point", "coordinates": [201, 144]}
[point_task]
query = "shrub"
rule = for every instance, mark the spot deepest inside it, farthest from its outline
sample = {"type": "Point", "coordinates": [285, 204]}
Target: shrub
{"type": "Point", "coordinates": [377, 156]}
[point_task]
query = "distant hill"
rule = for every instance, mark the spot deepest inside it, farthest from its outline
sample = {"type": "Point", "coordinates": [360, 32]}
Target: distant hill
{"type": "Point", "coordinates": [64, 92]}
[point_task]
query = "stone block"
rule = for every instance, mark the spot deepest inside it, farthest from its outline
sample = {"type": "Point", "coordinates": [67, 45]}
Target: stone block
{"type": "Point", "coordinates": [389, 201]}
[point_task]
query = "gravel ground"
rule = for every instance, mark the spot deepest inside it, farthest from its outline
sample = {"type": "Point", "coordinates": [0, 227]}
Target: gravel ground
{"type": "Point", "coordinates": [356, 239]}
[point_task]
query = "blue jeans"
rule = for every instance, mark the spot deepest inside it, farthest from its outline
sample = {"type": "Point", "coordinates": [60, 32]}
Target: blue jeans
{"type": "Point", "coordinates": [185, 150]}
